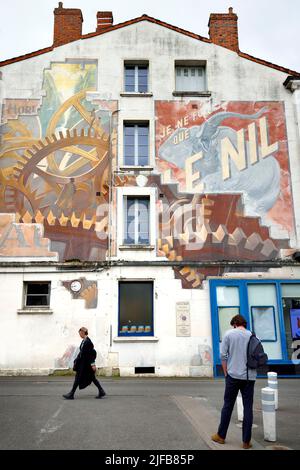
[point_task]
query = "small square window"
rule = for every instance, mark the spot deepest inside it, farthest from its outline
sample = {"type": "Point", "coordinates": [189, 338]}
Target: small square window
{"type": "Point", "coordinates": [37, 294]}
{"type": "Point", "coordinates": [190, 78]}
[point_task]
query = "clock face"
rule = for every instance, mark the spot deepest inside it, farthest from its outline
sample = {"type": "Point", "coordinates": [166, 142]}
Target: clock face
{"type": "Point", "coordinates": [75, 286]}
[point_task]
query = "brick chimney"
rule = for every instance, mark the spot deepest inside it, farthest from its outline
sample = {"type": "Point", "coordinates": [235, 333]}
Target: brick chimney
{"type": "Point", "coordinates": [67, 25]}
{"type": "Point", "coordinates": [223, 30]}
{"type": "Point", "coordinates": [104, 20]}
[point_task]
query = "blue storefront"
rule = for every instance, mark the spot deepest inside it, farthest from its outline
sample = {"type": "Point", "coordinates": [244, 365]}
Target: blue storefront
{"type": "Point", "coordinates": [272, 310]}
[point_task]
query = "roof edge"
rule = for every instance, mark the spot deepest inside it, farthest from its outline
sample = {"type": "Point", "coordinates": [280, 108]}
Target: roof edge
{"type": "Point", "coordinates": [160, 23]}
{"type": "Point", "coordinates": [151, 20]}
{"type": "Point", "coordinates": [26, 56]}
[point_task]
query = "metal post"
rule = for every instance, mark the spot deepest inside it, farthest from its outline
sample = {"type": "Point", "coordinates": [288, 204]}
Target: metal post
{"type": "Point", "coordinates": [269, 413]}
{"type": "Point", "coordinates": [273, 383]}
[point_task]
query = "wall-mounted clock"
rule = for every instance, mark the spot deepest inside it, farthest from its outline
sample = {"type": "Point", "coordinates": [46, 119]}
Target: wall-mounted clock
{"type": "Point", "coordinates": [75, 286]}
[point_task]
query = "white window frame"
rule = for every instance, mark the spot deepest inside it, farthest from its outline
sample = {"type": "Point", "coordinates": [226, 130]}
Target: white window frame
{"type": "Point", "coordinates": [122, 194]}
{"type": "Point", "coordinates": [136, 63]}
{"type": "Point", "coordinates": [189, 78]}
{"type": "Point", "coordinates": [25, 296]}
{"type": "Point", "coordinates": [136, 142]}
{"type": "Point", "coordinates": [136, 217]}
{"type": "Point", "coordinates": [121, 144]}
{"type": "Point", "coordinates": [136, 77]}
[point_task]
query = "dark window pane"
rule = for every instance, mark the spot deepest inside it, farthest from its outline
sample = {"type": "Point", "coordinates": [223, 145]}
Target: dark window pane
{"type": "Point", "coordinates": [129, 161]}
{"type": "Point", "coordinates": [129, 130]}
{"type": "Point", "coordinates": [129, 80]}
{"type": "Point", "coordinates": [38, 288]}
{"type": "Point", "coordinates": [129, 151]}
{"type": "Point", "coordinates": [143, 161]}
{"type": "Point", "coordinates": [136, 306]}
{"type": "Point", "coordinates": [36, 300]}
{"type": "Point", "coordinates": [143, 140]}
{"type": "Point", "coordinates": [129, 88]}
{"type": "Point", "coordinates": [143, 80]}
{"type": "Point", "coordinates": [143, 88]}
{"type": "Point", "coordinates": [143, 130]}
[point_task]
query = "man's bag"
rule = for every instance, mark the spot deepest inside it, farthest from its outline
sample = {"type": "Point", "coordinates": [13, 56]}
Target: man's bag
{"type": "Point", "coordinates": [256, 355]}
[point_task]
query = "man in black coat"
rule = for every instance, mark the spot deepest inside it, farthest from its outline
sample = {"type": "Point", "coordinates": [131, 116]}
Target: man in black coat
{"type": "Point", "coordinates": [85, 367]}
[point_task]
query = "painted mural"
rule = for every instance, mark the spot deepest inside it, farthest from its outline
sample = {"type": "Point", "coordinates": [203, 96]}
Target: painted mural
{"type": "Point", "coordinates": [87, 291]}
{"type": "Point", "coordinates": [23, 240]}
{"type": "Point", "coordinates": [225, 182]}
{"type": "Point", "coordinates": [54, 160]}
{"type": "Point", "coordinates": [239, 147]}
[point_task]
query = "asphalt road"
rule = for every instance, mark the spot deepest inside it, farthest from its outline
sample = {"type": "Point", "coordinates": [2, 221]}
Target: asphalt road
{"type": "Point", "coordinates": [137, 414]}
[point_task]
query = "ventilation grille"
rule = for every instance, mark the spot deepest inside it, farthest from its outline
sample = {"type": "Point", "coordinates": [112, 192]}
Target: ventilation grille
{"type": "Point", "coordinates": [144, 370]}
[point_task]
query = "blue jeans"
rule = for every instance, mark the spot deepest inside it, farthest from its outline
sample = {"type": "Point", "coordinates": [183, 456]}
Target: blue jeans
{"type": "Point", "coordinates": [231, 391]}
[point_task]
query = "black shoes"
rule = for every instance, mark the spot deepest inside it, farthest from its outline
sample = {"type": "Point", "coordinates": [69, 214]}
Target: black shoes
{"type": "Point", "coordinates": [101, 395]}
{"type": "Point", "coordinates": [69, 396]}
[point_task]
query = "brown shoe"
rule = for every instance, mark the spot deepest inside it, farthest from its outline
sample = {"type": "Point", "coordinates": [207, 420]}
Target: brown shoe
{"type": "Point", "coordinates": [218, 439]}
{"type": "Point", "coordinates": [246, 445]}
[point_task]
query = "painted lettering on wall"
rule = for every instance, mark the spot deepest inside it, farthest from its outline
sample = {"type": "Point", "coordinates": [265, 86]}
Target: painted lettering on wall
{"type": "Point", "coordinates": [239, 147]}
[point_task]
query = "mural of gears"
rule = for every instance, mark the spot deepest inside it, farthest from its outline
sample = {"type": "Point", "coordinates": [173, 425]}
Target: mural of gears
{"type": "Point", "coordinates": [54, 163]}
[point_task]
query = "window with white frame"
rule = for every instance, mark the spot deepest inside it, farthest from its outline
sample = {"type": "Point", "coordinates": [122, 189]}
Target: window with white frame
{"type": "Point", "coordinates": [136, 144]}
{"type": "Point", "coordinates": [37, 294]}
{"type": "Point", "coordinates": [136, 220]}
{"type": "Point", "coordinates": [136, 78]}
{"type": "Point", "coordinates": [190, 78]}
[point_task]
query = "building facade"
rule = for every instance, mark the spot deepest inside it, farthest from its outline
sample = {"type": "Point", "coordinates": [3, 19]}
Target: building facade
{"type": "Point", "coordinates": [149, 190]}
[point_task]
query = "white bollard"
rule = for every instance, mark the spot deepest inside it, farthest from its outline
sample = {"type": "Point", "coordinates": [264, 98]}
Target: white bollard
{"type": "Point", "coordinates": [240, 407]}
{"type": "Point", "coordinates": [269, 413]}
{"type": "Point", "coordinates": [273, 383]}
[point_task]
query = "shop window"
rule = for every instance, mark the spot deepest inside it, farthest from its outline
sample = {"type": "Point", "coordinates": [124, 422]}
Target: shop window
{"type": "Point", "coordinates": [291, 314]}
{"type": "Point", "coordinates": [136, 308]}
{"type": "Point", "coordinates": [263, 323]}
{"type": "Point", "coordinates": [262, 299]}
{"type": "Point", "coordinates": [37, 294]}
{"type": "Point", "coordinates": [228, 306]}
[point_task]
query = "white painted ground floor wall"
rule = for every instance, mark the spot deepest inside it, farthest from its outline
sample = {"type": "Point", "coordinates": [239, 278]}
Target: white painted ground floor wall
{"type": "Point", "coordinates": [38, 343]}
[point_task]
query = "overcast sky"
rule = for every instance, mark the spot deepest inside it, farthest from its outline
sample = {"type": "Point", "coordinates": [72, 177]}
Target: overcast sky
{"type": "Point", "coordinates": [268, 29]}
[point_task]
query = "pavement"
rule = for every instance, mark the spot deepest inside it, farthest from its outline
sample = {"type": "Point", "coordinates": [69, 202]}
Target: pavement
{"type": "Point", "coordinates": [137, 414]}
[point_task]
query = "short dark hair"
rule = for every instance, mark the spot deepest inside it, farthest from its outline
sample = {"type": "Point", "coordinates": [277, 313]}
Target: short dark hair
{"type": "Point", "coordinates": [85, 330]}
{"type": "Point", "coordinates": [238, 320]}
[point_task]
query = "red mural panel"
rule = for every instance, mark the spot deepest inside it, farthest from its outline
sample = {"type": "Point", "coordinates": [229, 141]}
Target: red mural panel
{"type": "Point", "coordinates": [238, 147]}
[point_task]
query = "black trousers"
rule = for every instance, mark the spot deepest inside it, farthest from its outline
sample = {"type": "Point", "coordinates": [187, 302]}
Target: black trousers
{"type": "Point", "coordinates": [94, 380]}
{"type": "Point", "coordinates": [232, 388]}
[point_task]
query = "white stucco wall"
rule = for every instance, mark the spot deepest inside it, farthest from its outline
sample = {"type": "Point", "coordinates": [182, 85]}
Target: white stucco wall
{"type": "Point", "coordinates": [35, 341]}
{"type": "Point", "coordinates": [32, 343]}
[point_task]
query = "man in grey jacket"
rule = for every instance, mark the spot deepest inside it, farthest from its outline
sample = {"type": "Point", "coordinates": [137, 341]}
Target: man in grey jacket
{"type": "Point", "coordinates": [234, 363]}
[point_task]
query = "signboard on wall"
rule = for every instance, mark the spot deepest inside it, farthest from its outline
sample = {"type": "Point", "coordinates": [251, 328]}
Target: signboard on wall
{"type": "Point", "coordinates": [183, 319]}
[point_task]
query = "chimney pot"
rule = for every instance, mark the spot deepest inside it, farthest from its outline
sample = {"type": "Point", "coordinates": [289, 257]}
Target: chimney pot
{"type": "Point", "coordinates": [104, 20]}
{"type": "Point", "coordinates": [67, 25]}
{"type": "Point", "coordinates": [223, 30]}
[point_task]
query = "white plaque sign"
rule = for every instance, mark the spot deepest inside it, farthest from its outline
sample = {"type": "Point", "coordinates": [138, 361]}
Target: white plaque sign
{"type": "Point", "coordinates": [183, 319]}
